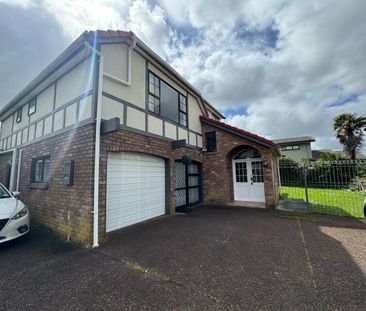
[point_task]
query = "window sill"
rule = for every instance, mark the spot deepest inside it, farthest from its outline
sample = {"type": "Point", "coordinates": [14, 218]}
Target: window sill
{"type": "Point", "coordinates": [38, 185]}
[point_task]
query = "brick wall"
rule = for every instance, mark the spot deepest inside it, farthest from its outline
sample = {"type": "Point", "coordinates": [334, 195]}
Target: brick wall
{"type": "Point", "coordinates": [217, 168]}
{"type": "Point", "coordinates": [68, 210]}
{"type": "Point", "coordinates": [64, 209]}
{"type": "Point", "coordinates": [133, 142]}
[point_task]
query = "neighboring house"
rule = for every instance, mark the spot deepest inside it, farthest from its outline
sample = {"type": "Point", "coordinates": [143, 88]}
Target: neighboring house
{"type": "Point", "coordinates": [103, 137]}
{"type": "Point", "coordinates": [316, 154]}
{"type": "Point", "coordinates": [296, 148]}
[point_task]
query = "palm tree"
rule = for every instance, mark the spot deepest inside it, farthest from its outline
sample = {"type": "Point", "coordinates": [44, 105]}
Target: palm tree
{"type": "Point", "coordinates": [349, 130]}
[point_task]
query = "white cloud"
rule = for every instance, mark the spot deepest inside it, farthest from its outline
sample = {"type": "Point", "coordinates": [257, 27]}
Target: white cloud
{"type": "Point", "coordinates": [282, 61]}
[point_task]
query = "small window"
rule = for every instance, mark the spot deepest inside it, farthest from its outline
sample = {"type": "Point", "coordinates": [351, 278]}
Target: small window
{"type": "Point", "coordinates": [32, 106]}
{"type": "Point", "coordinates": [296, 147]}
{"type": "Point", "coordinates": [210, 139]}
{"type": "Point", "coordinates": [41, 170]}
{"type": "Point", "coordinates": [154, 93]}
{"type": "Point", "coordinates": [288, 147]}
{"type": "Point", "coordinates": [283, 149]}
{"type": "Point", "coordinates": [182, 110]}
{"type": "Point", "coordinates": [19, 115]}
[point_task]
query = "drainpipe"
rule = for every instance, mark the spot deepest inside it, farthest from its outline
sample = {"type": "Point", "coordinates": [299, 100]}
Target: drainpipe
{"type": "Point", "coordinates": [19, 165]}
{"type": "Point", "coordinates": [97, 145]}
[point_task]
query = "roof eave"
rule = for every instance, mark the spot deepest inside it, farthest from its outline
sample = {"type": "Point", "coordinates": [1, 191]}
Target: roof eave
{"type": "Point", "coordinates": [242, 135]}
{"type": "Point", "coordinates": [71, 49]}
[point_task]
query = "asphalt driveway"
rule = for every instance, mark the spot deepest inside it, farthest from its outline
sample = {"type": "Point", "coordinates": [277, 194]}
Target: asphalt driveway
{"type": "Point", "coordinates": [210, 259]}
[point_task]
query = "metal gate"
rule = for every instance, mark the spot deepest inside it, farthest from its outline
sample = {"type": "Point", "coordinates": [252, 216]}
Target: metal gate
{"type": "Point", "coordinates": [188, 184]}
{"type": "Point", "coordinates": [325, 187]}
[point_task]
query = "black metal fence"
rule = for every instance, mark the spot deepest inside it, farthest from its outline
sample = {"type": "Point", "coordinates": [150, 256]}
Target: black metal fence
{"type": "Point", "coordinates": [327, 187]}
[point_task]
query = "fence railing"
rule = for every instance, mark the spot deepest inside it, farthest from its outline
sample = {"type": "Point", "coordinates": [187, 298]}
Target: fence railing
{"type": "Point", "coordinates": [326, 187]}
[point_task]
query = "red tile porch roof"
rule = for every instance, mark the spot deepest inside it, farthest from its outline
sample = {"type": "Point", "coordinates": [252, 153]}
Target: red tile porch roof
{"type": "Point", "coordinates": [246, 134]}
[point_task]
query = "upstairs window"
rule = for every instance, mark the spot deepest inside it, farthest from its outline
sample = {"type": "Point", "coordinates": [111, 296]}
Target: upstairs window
{"type": "Point", "coordinates": [182, 110]}
{"type": "Point", "coordinates": [18, 116]}
{"type": "Point", "coordinates": [154, 93]}
{"type": "Point", "coordinates": [210, 139]}
{"type": "Point", "coordinates": [32, 107]}
{"type": "Point", "coordinates": [166, 101]}
{"type": "Point", "coordinates": [41, 170]}
{"type": "Point", "coordinates": [293, 147]}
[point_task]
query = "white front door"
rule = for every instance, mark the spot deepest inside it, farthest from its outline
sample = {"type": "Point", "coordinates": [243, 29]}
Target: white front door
{"type": "Point", "coordinates": [248, 180]}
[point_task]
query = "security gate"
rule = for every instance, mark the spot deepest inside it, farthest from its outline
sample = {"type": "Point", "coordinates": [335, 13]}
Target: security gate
{"type": "Point", "coordinates": [188, 190]}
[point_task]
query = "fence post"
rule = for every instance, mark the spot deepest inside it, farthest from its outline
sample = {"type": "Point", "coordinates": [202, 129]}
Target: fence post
{"type": "Point", "coordinates": [305, 172]}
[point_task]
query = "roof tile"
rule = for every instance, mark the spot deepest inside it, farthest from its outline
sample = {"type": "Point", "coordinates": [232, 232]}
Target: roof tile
{"type": "Point", "coordinates": [240, 131]}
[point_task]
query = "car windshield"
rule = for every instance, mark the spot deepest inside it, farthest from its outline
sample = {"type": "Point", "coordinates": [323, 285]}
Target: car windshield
{"type": "Point", "coordinates": [3, 193]}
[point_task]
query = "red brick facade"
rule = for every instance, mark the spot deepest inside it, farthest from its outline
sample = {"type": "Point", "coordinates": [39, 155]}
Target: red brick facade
{"type": "Point", "coordinates": [217, 168]}
{"type": "Point", "coordinates": [132, 142]}
{"type": "Point", "coordinates": [68, 209]}
{"type": "Point", "coordinates": [64, 209]}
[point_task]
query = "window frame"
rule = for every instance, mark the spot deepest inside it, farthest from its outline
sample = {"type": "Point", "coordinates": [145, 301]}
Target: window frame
{"type": "Point", "coordinates": [32, 103]}
{"type": "Point", "coordinates": [149, 93]}
{"type": "Point", "coordinates": [207, 140]}
{"type": "Point", "coordinates": [181, 112]}
{"type": "Point", "coordinates": [18, 116]}
{"type": "Point", "coordinates": [33, 169]}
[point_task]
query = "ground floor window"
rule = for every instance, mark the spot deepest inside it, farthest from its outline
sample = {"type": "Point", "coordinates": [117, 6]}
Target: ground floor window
{"type": "Point", "coordinates": [40, 169]}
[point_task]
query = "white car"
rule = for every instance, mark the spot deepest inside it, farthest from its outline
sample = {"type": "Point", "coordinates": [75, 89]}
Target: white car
{"type": "Point", "coordinates": [14, 216]}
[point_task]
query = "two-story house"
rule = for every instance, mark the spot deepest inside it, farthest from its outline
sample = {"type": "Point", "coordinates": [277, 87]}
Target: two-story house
{"type": "Point", "coordinates": [110, 135]}
{"type": "Point", "coordinates": [296, 148]}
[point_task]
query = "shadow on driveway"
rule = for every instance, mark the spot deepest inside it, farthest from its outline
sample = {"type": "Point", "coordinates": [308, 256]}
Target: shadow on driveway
{"type": "Point", "coordinates": [254, 259]}
{"type": "Point", "coordinates": [210, 259]}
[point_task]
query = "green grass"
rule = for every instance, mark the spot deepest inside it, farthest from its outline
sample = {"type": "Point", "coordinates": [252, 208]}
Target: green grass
{"type": "Point", "coordinates": [329, 201]}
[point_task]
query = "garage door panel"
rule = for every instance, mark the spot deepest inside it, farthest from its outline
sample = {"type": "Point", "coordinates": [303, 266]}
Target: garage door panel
{"type": "Point", "coordinates": [135, 189]}
{"type": "Point", "coordinates": [131, 200]}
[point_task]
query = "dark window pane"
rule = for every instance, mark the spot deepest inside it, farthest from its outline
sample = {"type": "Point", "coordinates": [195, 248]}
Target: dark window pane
{"type": "Point", "coordinates": [182, 103]}
{"type": "Point", "coordinates": [248, 154]}
{"type": "Point", "coordinates": [46, 170]}
{"type": "Point", "coordinates": [156, 91]}
{"type": "Point", "coordinates": [19, 115]}
{"type": "Point", "coordinates": [32, 107]}
{"type": "Point", "coordinates": [168, 102]}
{"type": "Point", "coordinates": [38, 171]}
{"type": "Point", "coordinates": [183, 119]}
{"type": "Point", "coordinates": [151, 88]}
{"type": "Point", "coordinates": [210, 141]}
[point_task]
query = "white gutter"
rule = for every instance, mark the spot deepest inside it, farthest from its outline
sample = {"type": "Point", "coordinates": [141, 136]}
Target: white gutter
{"type": "Point", "coordinates": [129, 68]}
{"type": "Point", "coordinates": [12, 171]}
{"type": "Point", "coordinates": [97, 146]}
{"type": "Point", "coordinates": [19, 166]}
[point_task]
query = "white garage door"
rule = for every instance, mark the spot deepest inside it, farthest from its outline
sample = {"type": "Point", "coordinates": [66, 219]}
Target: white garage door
{"type": "Point", "coordinates": [135, 189]}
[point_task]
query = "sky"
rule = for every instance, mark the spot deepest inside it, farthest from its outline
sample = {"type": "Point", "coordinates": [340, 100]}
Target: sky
{"type": "Point", "coordinates": [277, 68]}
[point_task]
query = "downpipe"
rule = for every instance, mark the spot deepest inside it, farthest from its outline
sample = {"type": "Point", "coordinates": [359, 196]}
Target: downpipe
{"type": "Point", "coordinates": [97, 146]}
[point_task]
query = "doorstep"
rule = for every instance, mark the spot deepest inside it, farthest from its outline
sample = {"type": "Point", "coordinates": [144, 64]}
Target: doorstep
{"type": "Point", "coordinates": [247, 204]}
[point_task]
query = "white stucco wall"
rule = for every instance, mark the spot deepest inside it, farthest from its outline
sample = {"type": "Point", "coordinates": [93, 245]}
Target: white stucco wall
{"type": "Point", "coordinates": [77, 81]}
{"type": "Point", "coordinates": [111, 109]}
{"type": "Point", "coordinates": [134, 94]}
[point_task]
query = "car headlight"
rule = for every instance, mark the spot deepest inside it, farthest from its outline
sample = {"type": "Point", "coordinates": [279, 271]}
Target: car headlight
{"type": "Point", "coordinates": [21, 213]}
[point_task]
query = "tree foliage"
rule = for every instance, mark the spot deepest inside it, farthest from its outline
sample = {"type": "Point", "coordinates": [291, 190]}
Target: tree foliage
{"type": "Point", "coordinates": [349, 130]}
